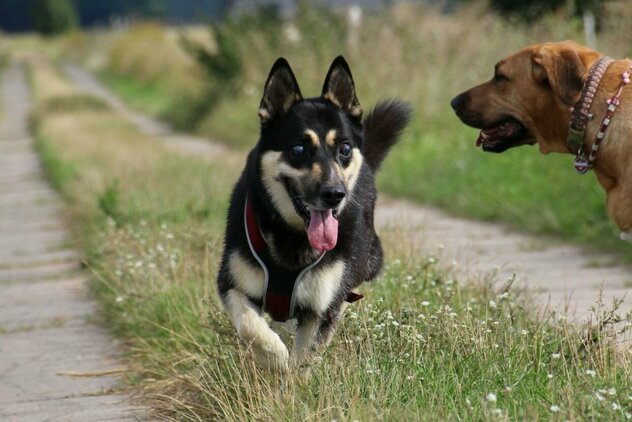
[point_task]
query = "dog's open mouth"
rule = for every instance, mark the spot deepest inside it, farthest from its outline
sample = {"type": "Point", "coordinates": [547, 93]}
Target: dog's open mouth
{"type": "Point", "coordinates": [498, 138]}
{"type": "Point", "coordinates": [321, 224]}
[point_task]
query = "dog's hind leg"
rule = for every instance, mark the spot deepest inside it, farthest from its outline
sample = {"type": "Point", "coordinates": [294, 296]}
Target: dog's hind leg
{"type": "Point", "coordinates": [266, 345]}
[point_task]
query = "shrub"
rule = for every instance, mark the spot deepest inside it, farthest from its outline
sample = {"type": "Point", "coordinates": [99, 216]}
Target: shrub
{"type": "Point", "coordinates": [52, 17]}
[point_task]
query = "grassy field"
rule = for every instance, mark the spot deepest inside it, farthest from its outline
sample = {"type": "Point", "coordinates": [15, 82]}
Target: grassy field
{"type": "Point", "coordinates": [421, 346]}
{"type": "Point", "coordinates": [416, 53]}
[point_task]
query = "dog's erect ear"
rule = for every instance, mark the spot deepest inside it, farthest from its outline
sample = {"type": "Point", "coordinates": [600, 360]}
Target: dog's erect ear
{"type": "Point", "coordinates": [340, 89]}
{"type": "Point", "coordinates": [563, 67]}
{"type": "Point", "coordinates": [280, 93]}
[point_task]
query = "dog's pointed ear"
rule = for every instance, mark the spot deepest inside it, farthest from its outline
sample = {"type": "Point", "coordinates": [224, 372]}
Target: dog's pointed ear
{"type": "Point", "coordinates": [340, 89]}
{"type": "Point", "coordinates": [562, 66]}
{"type": "Point", "coordinates": [280, 93]}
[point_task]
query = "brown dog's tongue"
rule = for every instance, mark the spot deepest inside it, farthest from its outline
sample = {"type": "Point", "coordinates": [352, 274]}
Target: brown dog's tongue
{"type": "Point", "coordinates": [323, 230]}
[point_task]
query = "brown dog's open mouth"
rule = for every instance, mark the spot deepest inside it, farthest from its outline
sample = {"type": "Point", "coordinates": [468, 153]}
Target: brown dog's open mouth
{"type": "Point", "coordinates": [509, 133]}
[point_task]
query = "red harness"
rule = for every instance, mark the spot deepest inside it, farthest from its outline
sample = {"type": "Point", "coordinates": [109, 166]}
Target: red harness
{"type": "Point", "coordinates": [279, 283]}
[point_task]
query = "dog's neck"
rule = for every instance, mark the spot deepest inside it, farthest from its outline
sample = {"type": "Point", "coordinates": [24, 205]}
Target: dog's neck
{"type": "Point", "coordinates": [580, 116]}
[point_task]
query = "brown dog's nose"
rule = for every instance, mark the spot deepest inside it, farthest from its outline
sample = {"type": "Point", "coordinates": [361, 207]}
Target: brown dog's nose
{"type": "Point", "coordinates": [457, 102]}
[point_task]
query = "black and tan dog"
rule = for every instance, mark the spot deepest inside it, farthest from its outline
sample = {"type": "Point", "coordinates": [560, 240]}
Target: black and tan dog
{"type": "Point", "coordinates": [300, 233]}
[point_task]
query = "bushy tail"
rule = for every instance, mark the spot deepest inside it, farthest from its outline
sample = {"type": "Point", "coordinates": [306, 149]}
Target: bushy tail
{"type": "Point", "coordinates": [382, 129]}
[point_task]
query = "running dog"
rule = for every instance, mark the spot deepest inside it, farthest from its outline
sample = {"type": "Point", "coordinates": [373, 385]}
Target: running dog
{"type": "Point", "coordinates": [300, 236]}
{"type": "Point", "coordinates": [566, 98]}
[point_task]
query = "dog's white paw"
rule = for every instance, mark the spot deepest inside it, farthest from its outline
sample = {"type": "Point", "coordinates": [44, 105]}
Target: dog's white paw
{"type": "Point", "coordinates": [270, 352]}
{"type": "Point", "coordinates": [627, 236]}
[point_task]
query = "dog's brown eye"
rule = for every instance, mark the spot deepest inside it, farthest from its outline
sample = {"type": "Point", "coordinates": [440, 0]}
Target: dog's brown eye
{"type": "Point", "coordinates": [297, 150]}
{"type": "Point", "coordinates": [345, 150]}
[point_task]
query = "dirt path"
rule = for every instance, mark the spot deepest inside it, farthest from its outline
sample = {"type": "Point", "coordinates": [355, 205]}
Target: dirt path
{"type": "Point", "coordinates": [563, 275]}
{"type": "Point", "coordinates": [45, 333]}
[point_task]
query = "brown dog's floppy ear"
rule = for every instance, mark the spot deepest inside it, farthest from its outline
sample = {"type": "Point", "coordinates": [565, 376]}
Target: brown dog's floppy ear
{"type": "Point", "coordinates": [562, 68]}
{"type": "Point", "coordinates": [340, 89]}
{"type": "Point", "coordinates": [280, 93]}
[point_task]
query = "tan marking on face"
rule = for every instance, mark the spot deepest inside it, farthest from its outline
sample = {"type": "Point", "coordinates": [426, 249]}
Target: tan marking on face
{"type": "Point", "coordinates": [339, 173]}
{"type": "Point", "coordinates": [330, 138]}
{"type": "Point", "coordinates": [313, 136]}
{"type": "Point", "coordinates": [317, 171]}
{"type": "Point", "coordinates": [272, 170]}
{"type": "Point", "coordinates": [352, 171]}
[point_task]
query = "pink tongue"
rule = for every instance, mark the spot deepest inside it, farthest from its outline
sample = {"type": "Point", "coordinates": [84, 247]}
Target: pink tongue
{"type": "Point", "coordinates": [323, 230]}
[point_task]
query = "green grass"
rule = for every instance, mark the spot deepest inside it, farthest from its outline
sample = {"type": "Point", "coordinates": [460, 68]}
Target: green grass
{"type": "Point", "coordinates": [421, 346]}
{"type": "Point", "coordinates": [149, 98]}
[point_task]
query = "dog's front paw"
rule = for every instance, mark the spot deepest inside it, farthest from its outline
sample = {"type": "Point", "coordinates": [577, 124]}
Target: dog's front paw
{"type": "Point", "coordinates": [271, 353]}
{"type": "Point", "coordinates": [627, 236]}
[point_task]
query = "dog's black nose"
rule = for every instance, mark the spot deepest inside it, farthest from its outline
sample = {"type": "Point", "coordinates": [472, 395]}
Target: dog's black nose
{"type": "Point", "coordinates": [457, 102]}
{"type": "Point", "coordinates": [332, 195]}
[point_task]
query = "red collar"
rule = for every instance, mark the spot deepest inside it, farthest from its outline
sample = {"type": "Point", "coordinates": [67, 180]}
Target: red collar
{"type": "Point", "coordinates": [279, 283]}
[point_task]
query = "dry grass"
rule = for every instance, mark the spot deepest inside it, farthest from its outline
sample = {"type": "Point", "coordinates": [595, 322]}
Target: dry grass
{"type": "Point", "coordinates": [47, 81]}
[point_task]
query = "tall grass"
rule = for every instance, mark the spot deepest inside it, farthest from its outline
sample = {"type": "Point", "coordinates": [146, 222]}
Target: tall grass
{"type": "Point", "coordinates": [421, 346]}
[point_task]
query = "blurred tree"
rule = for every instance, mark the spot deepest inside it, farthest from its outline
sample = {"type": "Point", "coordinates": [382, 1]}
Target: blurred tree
{"type": "Point", "coordinates": [52, 17]}
{"type": "Point", "coordinates": [530, 11]}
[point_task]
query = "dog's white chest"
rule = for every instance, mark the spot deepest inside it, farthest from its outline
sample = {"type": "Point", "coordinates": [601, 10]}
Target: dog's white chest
{"type": "Point", "coordinates": [317, 288]}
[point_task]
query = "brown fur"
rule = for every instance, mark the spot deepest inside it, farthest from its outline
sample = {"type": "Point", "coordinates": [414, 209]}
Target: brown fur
{"type": "Point", "coordinates": [537, 85]}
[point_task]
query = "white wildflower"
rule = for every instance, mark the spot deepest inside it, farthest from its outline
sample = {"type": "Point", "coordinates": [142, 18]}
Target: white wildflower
{"type": "Point", "coordinates": [492, 304]}
{"type": "Point", "coordinates": [556, 355]}
{"type": "Point", "coordinates": [591, 372]}
{"type": "Point", "coordinates": [554, 408]}
{"type": "Point", "coordinates": [491, 397]}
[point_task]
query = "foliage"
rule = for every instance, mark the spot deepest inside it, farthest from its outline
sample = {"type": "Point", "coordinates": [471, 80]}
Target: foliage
{"type": "Point", "coordinates": [53, 17]}
{"type": "Point", "coordinates": [14, 14]}
{"type": "Point", "coordinates": [530, 11]}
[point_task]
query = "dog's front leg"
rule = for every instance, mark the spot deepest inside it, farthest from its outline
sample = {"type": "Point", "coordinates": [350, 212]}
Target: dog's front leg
{"type": "Point", "coordinates": [266, 345]}
{"type": "Point", "coordinates": [304, 340]}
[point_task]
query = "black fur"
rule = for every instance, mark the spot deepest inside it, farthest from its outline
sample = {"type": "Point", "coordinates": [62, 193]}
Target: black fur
{"type": "Point", "coordinates": [382, 129]}
{"type": "Point", "coordinates": [284, 117]}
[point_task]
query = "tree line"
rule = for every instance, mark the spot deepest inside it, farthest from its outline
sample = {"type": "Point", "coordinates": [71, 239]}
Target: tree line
{"type": "Point", "coordinates": [28, 15]}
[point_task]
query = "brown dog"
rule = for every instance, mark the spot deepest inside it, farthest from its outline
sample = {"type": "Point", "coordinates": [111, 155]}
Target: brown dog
{"type": "Point", "coordinates": [529, 101]}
